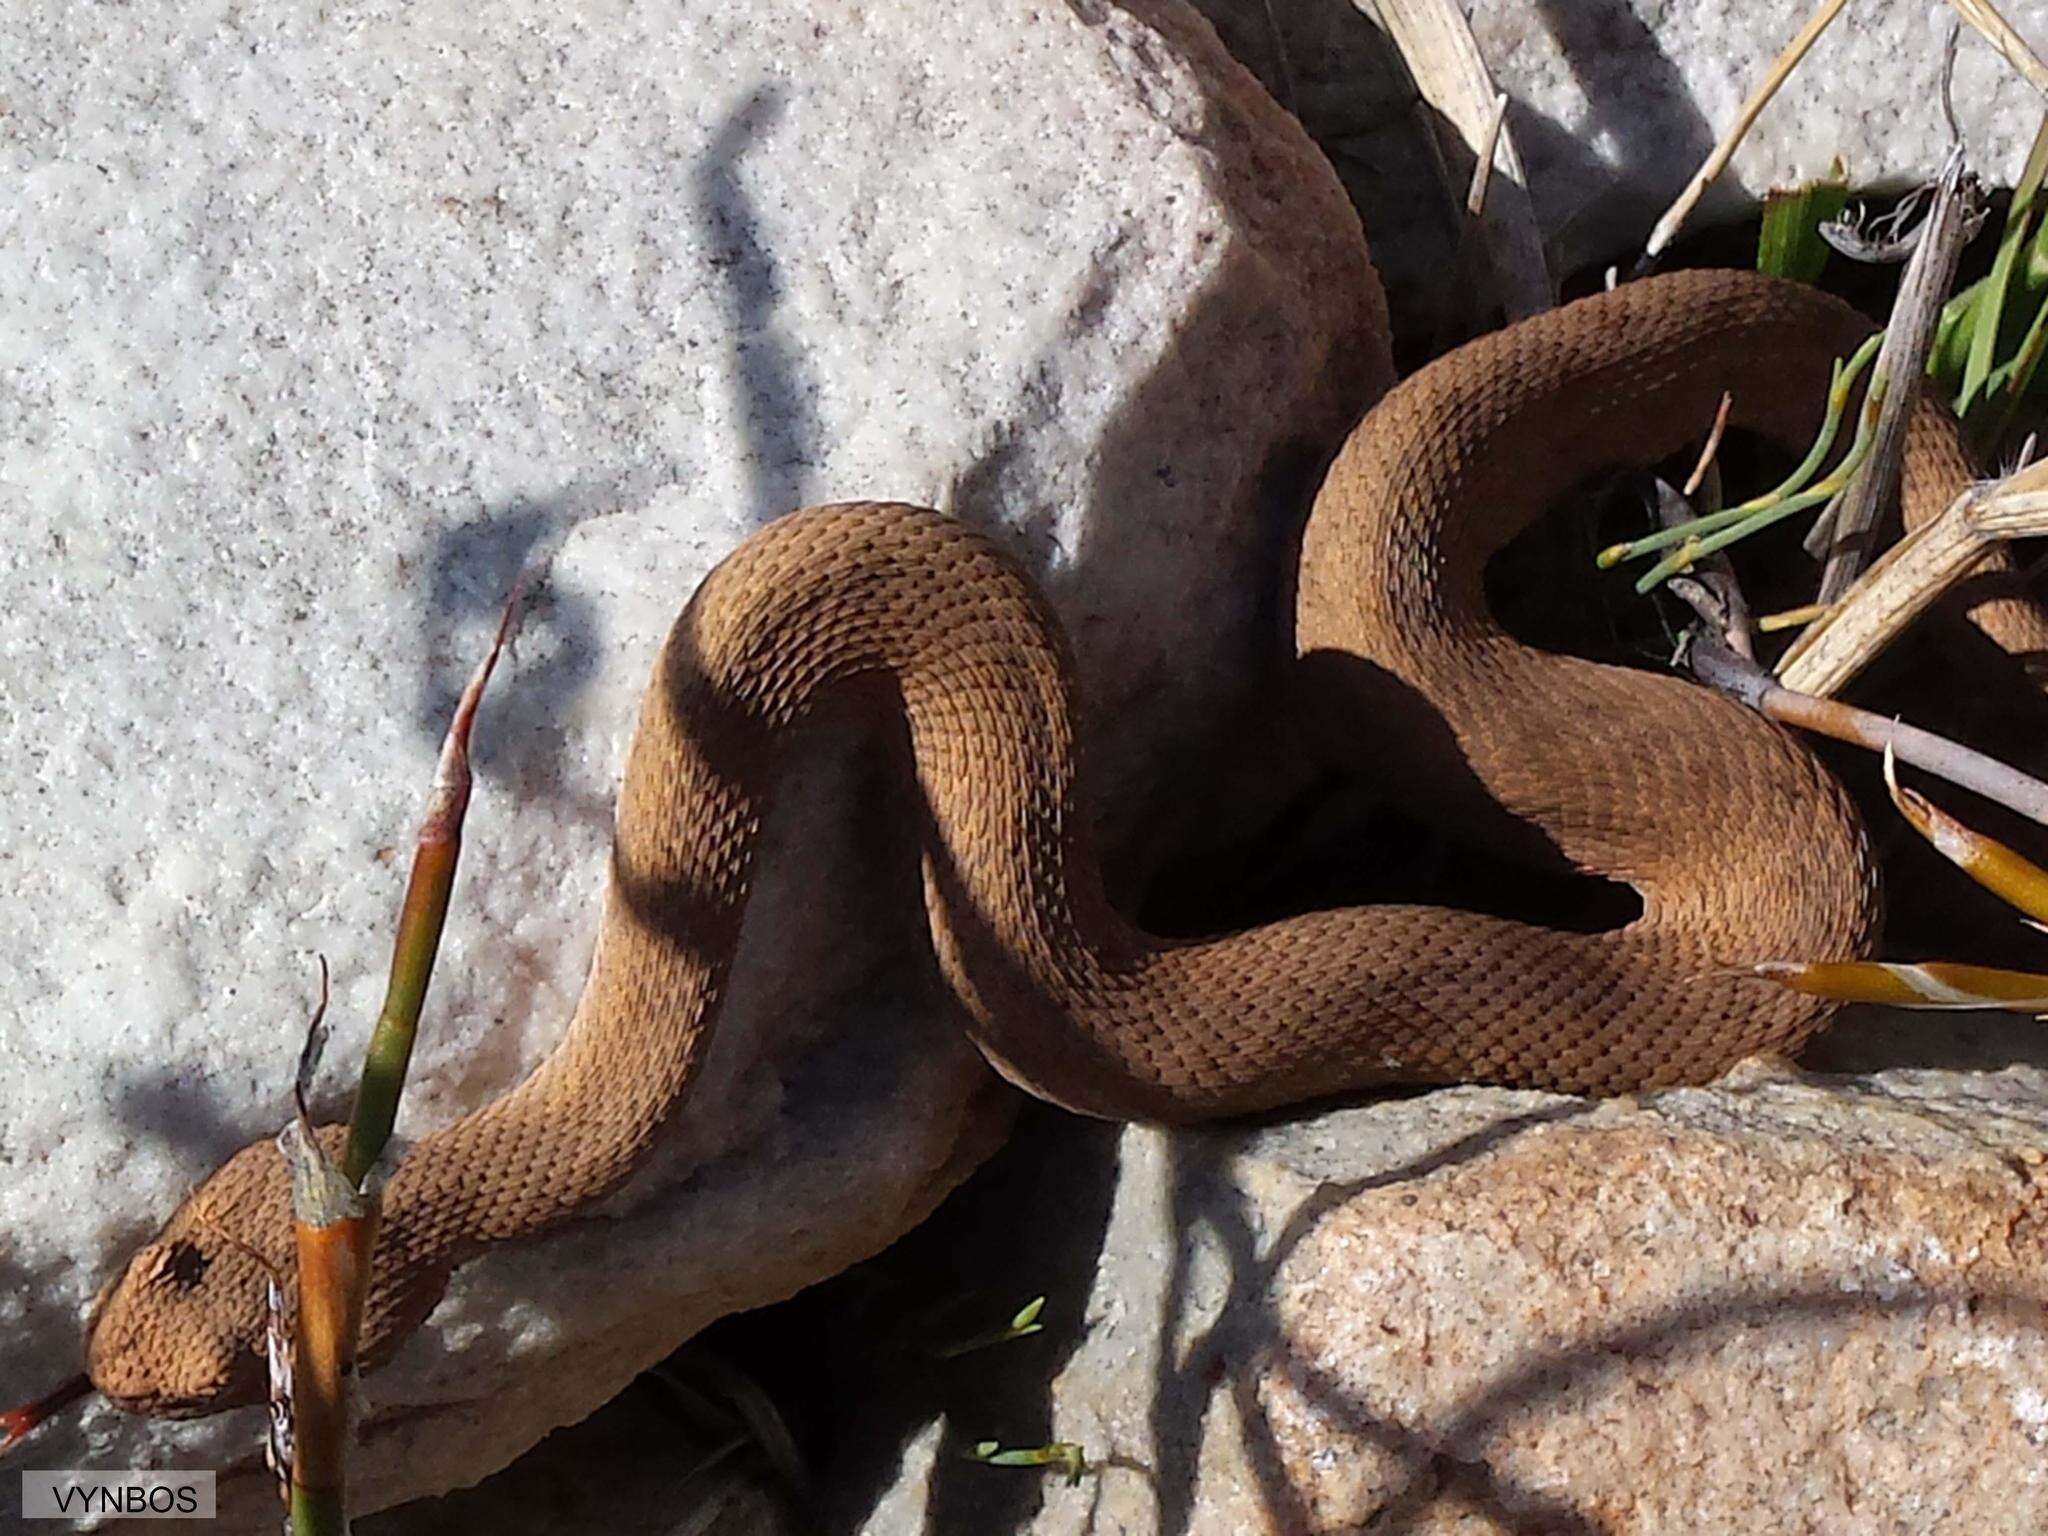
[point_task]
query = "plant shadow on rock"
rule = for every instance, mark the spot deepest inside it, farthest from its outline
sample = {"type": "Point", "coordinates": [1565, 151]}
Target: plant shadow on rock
{"type": "Point", "coordinates": [1245, 1329]}
{"type": "Point", "coordinates": [180, 1109]}
{"type": "Point", "coordinates": [784, 435]}
{"type": "Point", "coordinates": [1450, 1461]}
{"type": "Point", "coordinates": [471, 567]}
{"type": "Point", "coordinates": [850, 1361]}
{"type": "Point", "coordinates": [1022, 1226]}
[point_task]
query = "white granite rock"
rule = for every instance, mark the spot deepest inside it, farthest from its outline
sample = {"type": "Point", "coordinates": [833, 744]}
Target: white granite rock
{"type": "Point", "coordinates": [1774, 1306]}
{"type": "Point", "coordinates": [1617, 103]}
{"type": "Point", "coordinates": [1614, 103]}
{"type": "Point", "coordinates": [319, 321]}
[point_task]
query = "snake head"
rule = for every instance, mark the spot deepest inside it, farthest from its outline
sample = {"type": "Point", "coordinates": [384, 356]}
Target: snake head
{"type": "Point", "coordinates": [180, 1331]}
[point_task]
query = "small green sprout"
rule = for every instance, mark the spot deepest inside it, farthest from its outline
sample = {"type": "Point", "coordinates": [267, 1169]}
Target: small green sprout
{"type": "Point", "coordinates": [1063, 1454]}
{"type": "Point", "coordinates": [1023, 1325]}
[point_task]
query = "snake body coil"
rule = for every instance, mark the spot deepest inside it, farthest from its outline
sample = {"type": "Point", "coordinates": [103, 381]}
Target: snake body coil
{"type": "Point", "coordinates": [1740, 845]}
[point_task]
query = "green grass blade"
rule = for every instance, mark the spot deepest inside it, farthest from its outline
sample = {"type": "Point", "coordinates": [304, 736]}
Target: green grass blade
{"type": "Point", "coordinates": [2011, 380]}
{"type": "Point", "coordinates": [1790, 245]}
{"type": "Point", "coordinates": [1988, 313]}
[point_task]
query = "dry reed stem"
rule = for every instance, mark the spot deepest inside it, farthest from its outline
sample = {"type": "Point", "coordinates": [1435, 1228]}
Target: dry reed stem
{"type": "Point", "coordinates": [1910, 577]}
{"type": "Point", "coordinates": [1716, 665]}
{"type": "Point", "coordinates": [1910, 984]}
{"type": "Point", "coordinates": [2017, 881]}
{"type": "Point", "coordinates": [1781, 69]}
{"type": "Point", "coordinates": [1901, 372]}
{"type": "Point", "coordinates": [1984, 16]}
{"type": "Point", "coordinates": [1443, 57]}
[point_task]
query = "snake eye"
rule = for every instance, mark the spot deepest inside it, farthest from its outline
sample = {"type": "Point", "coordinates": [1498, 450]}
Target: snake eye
{"type": "Point", "coordinates": [180, 1264]}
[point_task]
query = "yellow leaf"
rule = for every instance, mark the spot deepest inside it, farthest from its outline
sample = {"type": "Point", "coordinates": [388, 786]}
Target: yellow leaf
{"type": "Point", "coordinates": [2017, 881]}
{"type": "Point", "coordinates": [1926, 984]}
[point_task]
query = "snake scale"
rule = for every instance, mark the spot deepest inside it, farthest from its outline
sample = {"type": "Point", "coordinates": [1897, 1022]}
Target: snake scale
{"type": "Point", "coordinates": [1739, 844]}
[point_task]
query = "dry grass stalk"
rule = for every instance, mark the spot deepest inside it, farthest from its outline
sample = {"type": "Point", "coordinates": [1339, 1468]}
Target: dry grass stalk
{"type": "Point", "coordinates": [1450, 73]}
{"type": "Point", "coordinates": [1482, 165]}
{"type": "Point", "coordinates": [1933, 754]}
{"type": "Point", "coordinates": [1710, 448]}
{"type": "Point", "coordinates": [1910, 984]}
{"type": "Point", "coordinates": [2020, 883]}
{"type": "Point", "coordinates": [1910, 577]}
{"type": "Point", "coordinates": [1715, 664]}
{"type": "Point", "coordinates": [1984, 16]}
{"type": "Point", "coordinates": [1781, 69]}
{"type": "Point", "coordinates": [1896, 384]}
{"type": "Point", "coordinates": [1793, 618]}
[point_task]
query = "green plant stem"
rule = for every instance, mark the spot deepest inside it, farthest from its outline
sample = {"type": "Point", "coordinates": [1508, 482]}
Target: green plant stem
{"type": "Point", "coordinates": [1842, 379]}
{"type": "Point", "coordinates": [2011, 380]}
{"type": "Point", "coordinates": [1021, 1326]}
{"type": "Point", "coordinates": [420, 922]}
{"type": "Point", "coordinates": [335, 1210]}
{"type": "Point", "coordinates": [1790, 244]}
{"type": "Point", "coordinates": [1694, 548]}
{"type": "Point", "coordinates": [1064, 1454]}
{"type": "Point", "coordinates": [318, 1511]}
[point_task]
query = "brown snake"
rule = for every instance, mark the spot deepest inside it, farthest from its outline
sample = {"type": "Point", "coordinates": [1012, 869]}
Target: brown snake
{"type": "Point", "coordinates": [1739, 844]}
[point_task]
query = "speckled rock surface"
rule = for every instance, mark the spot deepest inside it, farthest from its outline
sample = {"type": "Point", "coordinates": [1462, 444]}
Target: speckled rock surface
{"type": "Point", "coordinates": [1614, 103]}
{"type": "Point", "coordinates": [1772, 1306]}
{"type": "Point", "coordinates": [321, 322]}
{"type": "Point", "coordinates": [1617, 103]}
